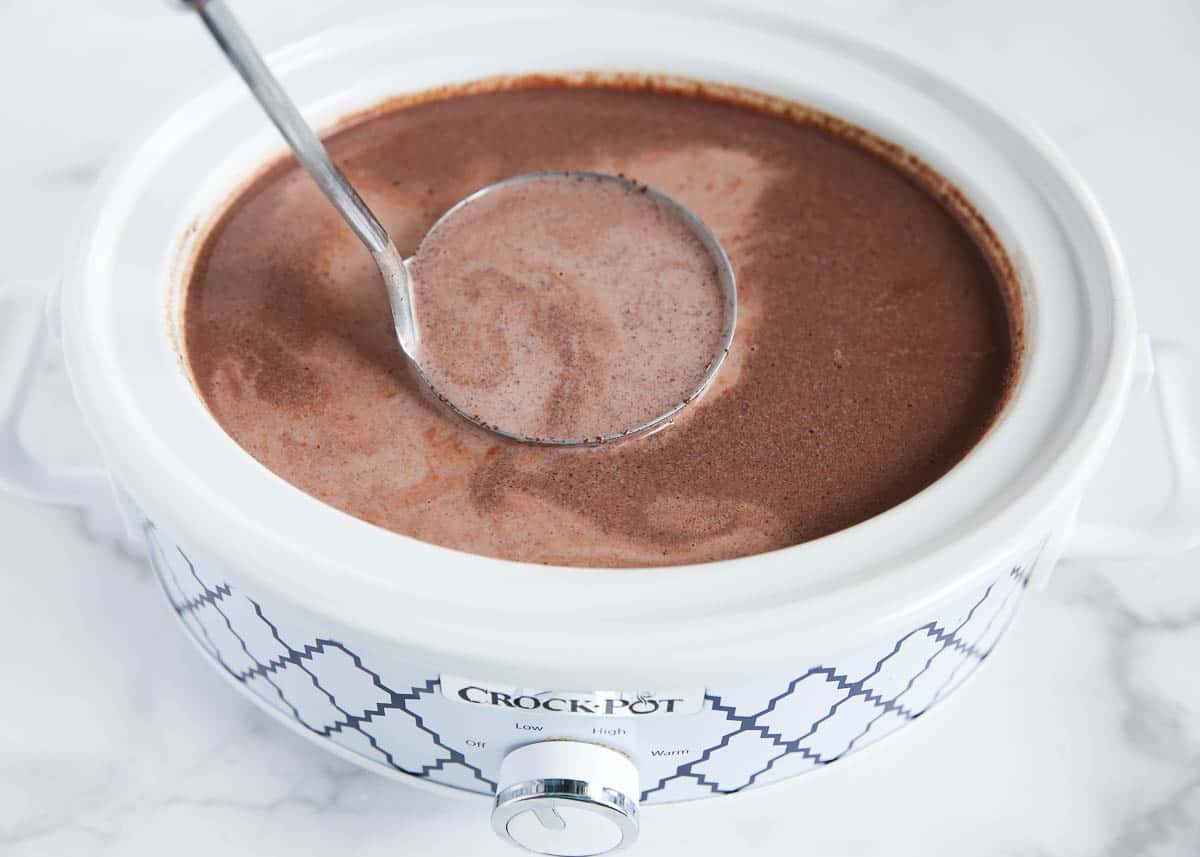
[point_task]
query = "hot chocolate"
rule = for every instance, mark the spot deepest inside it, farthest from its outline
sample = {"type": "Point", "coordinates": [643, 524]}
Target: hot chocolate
{"type": "Point", "coordinates": [878, 333]}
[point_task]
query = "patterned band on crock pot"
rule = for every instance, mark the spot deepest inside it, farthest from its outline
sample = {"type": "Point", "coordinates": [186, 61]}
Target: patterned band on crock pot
{"type": "Point", "coordinates": [391, 714]}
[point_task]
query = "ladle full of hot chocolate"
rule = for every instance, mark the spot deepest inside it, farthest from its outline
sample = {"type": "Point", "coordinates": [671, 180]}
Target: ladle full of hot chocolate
{"type": "Point", "coordinates": [561, 308]}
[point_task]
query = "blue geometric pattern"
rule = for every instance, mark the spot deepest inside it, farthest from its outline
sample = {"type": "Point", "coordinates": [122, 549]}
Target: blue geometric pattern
{"type": "Point", "coordinates": [863, 709]}
{"type": "Point", "coordinates": [262, 657]}
{"type": "Point", "coordinates": [754, 733]}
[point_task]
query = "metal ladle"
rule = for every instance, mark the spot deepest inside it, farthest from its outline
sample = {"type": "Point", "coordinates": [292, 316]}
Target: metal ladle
{"type": "Point", "coordinates": [313, 156]}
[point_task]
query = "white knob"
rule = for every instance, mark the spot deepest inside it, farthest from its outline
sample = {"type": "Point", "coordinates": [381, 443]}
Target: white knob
{"type": "Point", "coordinates": [567, 798]}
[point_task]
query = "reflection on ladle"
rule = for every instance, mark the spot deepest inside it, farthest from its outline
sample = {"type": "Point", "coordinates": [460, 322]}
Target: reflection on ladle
{"type": "Point", "coordinates": [556, 308]}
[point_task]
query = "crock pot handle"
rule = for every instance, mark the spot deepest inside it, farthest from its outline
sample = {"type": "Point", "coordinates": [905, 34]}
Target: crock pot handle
{"type": "Point", "coordinates": [25, 328]}
{"type": "Point", "coordinates": [1176, 528]}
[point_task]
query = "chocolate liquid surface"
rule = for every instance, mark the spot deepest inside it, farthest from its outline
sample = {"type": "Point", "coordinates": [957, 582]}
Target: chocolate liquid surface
{"type": "Point", "coordinates": [566, 307]}
{"type": "Point", "coordinates": [875, 342]}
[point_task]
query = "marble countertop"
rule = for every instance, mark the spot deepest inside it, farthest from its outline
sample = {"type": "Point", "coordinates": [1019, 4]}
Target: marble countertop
{"type": "Point", "coordinates": [1081, 737]}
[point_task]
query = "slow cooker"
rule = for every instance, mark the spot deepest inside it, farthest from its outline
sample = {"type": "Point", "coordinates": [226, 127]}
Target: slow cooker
{"type": "Point", "coordinates": [564, 697]}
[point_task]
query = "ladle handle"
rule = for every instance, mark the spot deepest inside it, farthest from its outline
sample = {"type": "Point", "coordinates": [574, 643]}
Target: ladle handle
{"type": "Point", "coordinates": [313, 156]}
{"type": "Point", "coordinates": [303, 141]}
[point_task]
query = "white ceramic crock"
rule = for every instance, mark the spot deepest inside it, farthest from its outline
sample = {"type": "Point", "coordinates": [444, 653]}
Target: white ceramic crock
{"type": "Point", "coordinates": [777, 663]}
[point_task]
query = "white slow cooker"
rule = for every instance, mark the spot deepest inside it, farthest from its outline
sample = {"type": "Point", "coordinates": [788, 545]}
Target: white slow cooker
{"type": "Point", "coordinates": [567, 697]}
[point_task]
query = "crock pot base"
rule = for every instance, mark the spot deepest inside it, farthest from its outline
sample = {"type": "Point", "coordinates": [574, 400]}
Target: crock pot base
{"type": "Point", "coordinates": [392, 715]}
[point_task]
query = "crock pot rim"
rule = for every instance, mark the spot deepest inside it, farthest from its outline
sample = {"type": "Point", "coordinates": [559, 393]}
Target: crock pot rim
{"type": "Point", "coordinates": [867, 601]}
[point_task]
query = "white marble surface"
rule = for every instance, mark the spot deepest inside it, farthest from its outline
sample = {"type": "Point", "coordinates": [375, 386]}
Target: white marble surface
{"type": "Point", "coordinates": [1081, 737]}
